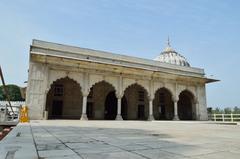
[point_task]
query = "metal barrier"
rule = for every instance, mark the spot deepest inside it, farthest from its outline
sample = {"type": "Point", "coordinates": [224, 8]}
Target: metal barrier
{"type": "Point", "coordinates": [6, 116]}
{"type": "Point", "coordinates": [224, 117]}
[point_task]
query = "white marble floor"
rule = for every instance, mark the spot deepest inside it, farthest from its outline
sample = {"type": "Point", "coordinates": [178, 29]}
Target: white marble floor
{"type": "Point", "coordinates": [72, 139]}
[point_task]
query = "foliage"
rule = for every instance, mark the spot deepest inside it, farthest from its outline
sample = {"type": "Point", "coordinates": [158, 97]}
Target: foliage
{"type": "Point", "coordinates": [209, 110]}
{"type": "Point", "coordinates": [236, 110]}
{"type": "Point", "coordinates": [217, 111]}
{"type": "Point", "coordinates": [227, 110]}
{"type": "Point", "coordinates": [14, 93]}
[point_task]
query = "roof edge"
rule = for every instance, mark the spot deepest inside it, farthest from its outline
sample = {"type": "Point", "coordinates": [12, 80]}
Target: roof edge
{"type": "Point", "coordinates": [109, 55]}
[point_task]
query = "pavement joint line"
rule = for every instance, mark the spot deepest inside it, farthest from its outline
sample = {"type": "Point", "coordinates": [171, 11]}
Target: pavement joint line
{"type": "Point", "coordinates": [169, 153]}
{"type": "Point", "coordinates": [139, 144]}
{"type": "Point", "coordinates": [132, 151]}
{"type": "Point", "coordinates": [174, 153]}
{"type": "Point", "coordinates": [210, 153]}
{"type": "Point", "coordinates": [162, 149]}
{"type": "Point", "coordinates": [10, 154]}
{"type": "Point", "coordinates": [193, 155]}
{"type": "Point", "coordinates": [63, 142]}
{"type": "Point", "coordinates": [124, 149]}
{"type": "Point", "coordinates": [34, 139]}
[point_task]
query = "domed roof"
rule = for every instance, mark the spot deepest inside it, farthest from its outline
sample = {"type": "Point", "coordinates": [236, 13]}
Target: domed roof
{"type": "Point", "coordinates": [169, 55]}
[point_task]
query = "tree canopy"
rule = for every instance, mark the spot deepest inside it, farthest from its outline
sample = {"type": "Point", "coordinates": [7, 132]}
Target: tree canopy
{"type": "Point", "coordinates": [227, 110]}
{"type": "Point", "coordinates": [14, 93]}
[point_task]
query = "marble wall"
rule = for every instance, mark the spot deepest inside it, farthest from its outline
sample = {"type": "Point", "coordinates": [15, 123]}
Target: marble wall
{"type": "Point", "coordinates": [42, 76]}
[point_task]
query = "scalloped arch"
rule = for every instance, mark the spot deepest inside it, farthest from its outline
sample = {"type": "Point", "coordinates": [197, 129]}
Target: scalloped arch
{"type": "Point", "coordinates": [169, 90]}
{"type": "Point", "coordinates": [189, 91]}
{"type": "Point", "coordinates": [164, 87]}
{"type": "Point", "coordinates": [50, 84]}
{"type": "Point", "coordinates": [104, 81]}
{"type": "Point", "coordinates": [132, 84]}
{"type": "Point", "coordinates": [55, 75]}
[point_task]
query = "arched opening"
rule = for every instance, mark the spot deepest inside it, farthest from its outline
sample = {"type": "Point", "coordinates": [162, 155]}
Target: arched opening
{"type": "Point", "coordinates": [137, 103]}
{"type": "Point", "coordinates": [186, 106]}
{"type": "Point", "coordinates": [64, 100]}
{"type": "Point", "coordinates": [102, 102]}
{"type": "Point", "coordinates": [110, 106]}
{"type": "Point", "coordinates": [163, 106]}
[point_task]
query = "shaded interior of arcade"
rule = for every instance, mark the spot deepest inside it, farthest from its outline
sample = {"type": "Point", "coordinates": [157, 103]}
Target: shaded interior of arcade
{"type": "Point", "coordinates": [65, 101]}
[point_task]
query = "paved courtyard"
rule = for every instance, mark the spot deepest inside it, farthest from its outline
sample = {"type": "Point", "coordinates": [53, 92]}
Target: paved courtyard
{"type": "Point", "coordinates": [135, 140]}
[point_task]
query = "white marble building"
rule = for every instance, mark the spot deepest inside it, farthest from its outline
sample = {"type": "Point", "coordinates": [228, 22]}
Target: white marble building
{"type": "Point", "coordinates": [69, 82]}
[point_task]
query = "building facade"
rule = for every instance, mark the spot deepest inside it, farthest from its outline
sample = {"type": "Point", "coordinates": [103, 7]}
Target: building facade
{"type": "Point", "coordinates": [67, 82]}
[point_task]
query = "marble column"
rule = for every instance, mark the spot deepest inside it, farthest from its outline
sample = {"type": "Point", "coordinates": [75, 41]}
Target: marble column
{"type": "Point", "coordinates": [150, 115]}
{"type": "Point", "coordinates": [45, 112]}
{"type": "Point", "coordinates": [196, 104]}
{"type": "Point", "coordinates": [119, 104]}
{"type": "Point", "coordinates": [175, 110]}
{"type": "Point", "coordinates": [84, 108]}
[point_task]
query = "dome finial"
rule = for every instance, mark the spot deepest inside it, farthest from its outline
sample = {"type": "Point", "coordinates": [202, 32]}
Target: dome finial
{"type": "Point", "coordinates": [168, 42]}
{"type": "Point", "coordinates": [168, 48]}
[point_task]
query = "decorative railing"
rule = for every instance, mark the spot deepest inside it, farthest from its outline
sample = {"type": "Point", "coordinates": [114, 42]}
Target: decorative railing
{"type": "Point", "coordinates": [7, 115]}
{"type": "Point", "coordinates": [224, 117]}
{"type": "Point", "coordinates": [13, 103]}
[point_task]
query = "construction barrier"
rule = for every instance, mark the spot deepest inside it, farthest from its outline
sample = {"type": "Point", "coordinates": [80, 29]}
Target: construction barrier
{"type": "Point", "coordinates": [24, 115]}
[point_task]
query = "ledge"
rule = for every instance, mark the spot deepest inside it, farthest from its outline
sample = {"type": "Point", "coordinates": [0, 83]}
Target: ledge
{"type": "Point", "coordinates": [66, 51]}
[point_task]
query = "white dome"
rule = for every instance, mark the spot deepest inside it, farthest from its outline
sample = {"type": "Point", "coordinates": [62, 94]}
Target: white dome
{"type": "Point", "coordinates": [169, 55]}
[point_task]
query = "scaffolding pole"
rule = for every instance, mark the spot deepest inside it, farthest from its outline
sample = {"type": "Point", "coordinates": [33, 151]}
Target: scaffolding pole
{"type": "Point", "coordinates": [5, 90]}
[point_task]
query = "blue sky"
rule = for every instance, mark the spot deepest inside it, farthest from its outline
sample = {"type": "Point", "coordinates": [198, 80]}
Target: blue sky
{"type": "Point", "coordinates": [205, 32]}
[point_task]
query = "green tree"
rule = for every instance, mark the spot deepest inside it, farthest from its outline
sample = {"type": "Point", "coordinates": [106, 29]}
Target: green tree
{"type": "Point", "coordinates": [210, 110]}
{"type": "Point", "coordinates": [14, 93]}
{"type": "Point", "coordinates": [236, 110]}
{"type": "Point", "coordinates": [217, 111]}
{"type": "Point", "coordinates": [227, 110]}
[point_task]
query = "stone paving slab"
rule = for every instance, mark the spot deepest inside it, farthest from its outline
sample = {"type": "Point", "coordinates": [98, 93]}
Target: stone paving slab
{"type": "Point", "coordinates": [74, 139]}
{"type": "Point", "coordinates": [93, 149]}
{"type": "Point", "coordinates": [19, 144]}
{"type": "Point", "coordinates": [219, 155]}
{"type": "Point", "coordinates": [64, 157]}
{"type": "Point", "coordinates": [47, 146]}
{"type": "Point", "coordinates": [133, 147]}
{"type": "Point", "coordinates": [189, 150]}
{"type": "Point", "coordinates": [56, 153]}
{"type": "Point", "coordinates": [159, 154]}
{"type": "Point", "coordinates": [115, 155]}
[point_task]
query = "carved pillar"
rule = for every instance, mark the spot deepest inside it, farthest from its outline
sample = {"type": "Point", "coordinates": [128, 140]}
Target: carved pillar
{"type": "Point", "coordinates": [45, 112]}
{"type": "Point", "coordinates": [84, 108]}
{"type": "Point", "coordinates": [85, 94]}
{"type": "Point", "coordinates": [196, 104]}
{"type": "Point", "coordinates": [45, 89]}
{"type": "Point", "coordinates": [175, 109]}
{"type": "Point", "coordinates": [175, 100]}
{"type": "Point", "coordinates": [198, 117]}
{"type": "Point", "coordinates": [151, 96]}
{"type": "Point", "coordinates": [119, 115]}
{"type": "Point", "coordinates": [119, 95]}
{"type": "Point", "coordinates": [150, 115]}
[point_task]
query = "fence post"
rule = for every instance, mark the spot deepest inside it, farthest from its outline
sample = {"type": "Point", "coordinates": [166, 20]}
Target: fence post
{"type": "Point", "coordinates": [214, 117]}
{"type": "Point", "coordinates": [223, 118]}
{"type": "Point", "coordinates": [231, 117]}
